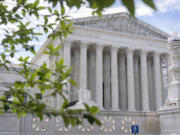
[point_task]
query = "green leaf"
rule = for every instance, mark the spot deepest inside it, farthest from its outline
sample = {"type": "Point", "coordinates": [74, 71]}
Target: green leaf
{"type": "Point", "coordinates": [32, 50]}
{"type": "Point", "coordinates": [3, 56]}
{"type": "Point", "coordinates": [62, 10]}
{"type": "Point", "coordinates": [72, 82]}
{"type": "Point", "coordinates": [99, 13]}
{"type": "Point", "coordinates": [12, 55]}
{"type": "Point", "coordinates": [129, 4]}
{"type": "Point", "coordinates": [65, 104]}
{"type": "Point", "coordinates": [45, 20]}
{"type": "Point", "coordinates": [19, 2]}
{"type": "Point", "coordinates": [61, 62]}
{"type": "Point", "coordinates": [36, 3]}
{"type": "Point", "coordinates": [23, 12]}
{"type": "Point", "coordinates": [54, 2]}
{"type": "Point", "coordinates": [38, 96]}
{"type": "Point", "coordinates": [98, 122]}
{"type": "Point", "coordinates": [90, 118]}
{"type": "Point", "coordinates": [87, 107]}
{"type": "Point", "coordinates": [150, 3]}
{"type": "Point", "coordinates": [41, 8]}
{"type": "Point", "coordinates": [94, 110]}
{"type": "Point", "coordinates": [50, 10]}
{"type": "Point", "coordinates": [57, 48]}
{"type": "Point", "coordinates": [104, 3]}
{"type": "Point", "coordinates": [39, 115]}
{"type": "Point", "coordinates": [56, 12]}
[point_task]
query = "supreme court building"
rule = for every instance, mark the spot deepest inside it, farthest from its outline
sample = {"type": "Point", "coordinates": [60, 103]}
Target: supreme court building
{"type": "Point", "coordinates": [119, 63]}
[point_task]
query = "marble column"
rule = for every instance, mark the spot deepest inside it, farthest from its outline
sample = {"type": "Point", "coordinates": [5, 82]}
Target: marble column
{"type": "Point", "coordinates": [84, 92]}
{"type": "Point", "coordinates": [83, 66]}
{"type": "Point", "coordinates": [122, 82]}
{"type": "Point", "coordinates": [75, 63]}
{"type": "Point", "coordinates": [157, 80]}
{"type": "Point", "coordinates": [67, 62]}
{"type": "Point", "coordinates": [152, 98]}
{"type": "Point", "coordinates": [130, 81]}
{"type": "Point", "coordinates": [144, 81]}
{"type": "Point", "coordinates": [99, 76]}
{"type": "Point", "coordinates": [114, 79]}
{"type": "Point", "coordinates": [107, 79]}
{"type": "Point", "coordinates": [137, 83]}
{"type": "Point", "coordinates": [91, 74]}
{"type": "Point", "coordinates": [67, 54]}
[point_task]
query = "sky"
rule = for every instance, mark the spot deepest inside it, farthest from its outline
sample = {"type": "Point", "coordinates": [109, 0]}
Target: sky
{"type": "Point", "coordinates": [166, 18]}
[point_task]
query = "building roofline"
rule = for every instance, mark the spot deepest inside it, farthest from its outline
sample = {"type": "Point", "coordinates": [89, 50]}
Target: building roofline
{"type": "Point", "coordinates": [125, 14]}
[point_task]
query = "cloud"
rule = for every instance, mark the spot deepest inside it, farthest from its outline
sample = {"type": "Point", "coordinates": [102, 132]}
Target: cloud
{"type": "Point", "coordinates": [163, 6]}
{"type": "Point", "coordinates": [168, 5]}
{"type": "Point", "coordinates": [115, 10]}
{"type": "Point", "coordinates": [143, 10]}
{"type": "Point", "coordinates": [84, 11]}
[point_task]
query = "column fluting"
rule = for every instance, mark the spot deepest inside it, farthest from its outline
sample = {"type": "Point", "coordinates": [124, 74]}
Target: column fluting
{"type": "Point", "coordinates": [83, 66]}
{"type": "Point", "coordinates": [157, 80]}
{"type": "Point", "coordinates": [130, 80]}
{"type": "Point", "coordinates": [99, 76]}
{"type": "Point", "coordinates": [114, 79]}
{"type": "Point", "coordinates": [144, 81]}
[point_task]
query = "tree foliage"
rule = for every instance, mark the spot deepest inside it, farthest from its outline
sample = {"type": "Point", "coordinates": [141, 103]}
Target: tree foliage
{"type": "Point", "coordinates": [30, 20]}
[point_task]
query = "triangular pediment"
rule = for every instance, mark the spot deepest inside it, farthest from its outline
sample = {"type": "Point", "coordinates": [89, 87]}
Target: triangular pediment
{"type": "Point", "coordinates": [123, 23]}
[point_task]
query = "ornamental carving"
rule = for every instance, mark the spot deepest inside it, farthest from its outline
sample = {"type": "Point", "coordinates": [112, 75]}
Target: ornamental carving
{"type": "Point", "coordinates": [108, 124]}
{"type": "Point", "coordinates": [126, 124]}
{"type": "Point", "coordinates": [38, 125]}
{"type": "Point", "coordinates": [86, 128]}
{"type": "Point", "coordinates": [48, 101]}
{"type": "Point", "coordinates": [59, 125]}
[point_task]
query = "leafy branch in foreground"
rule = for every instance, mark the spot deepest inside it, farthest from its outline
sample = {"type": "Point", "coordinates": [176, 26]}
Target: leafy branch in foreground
{"type": "Point", "coordinates": [40, 83]}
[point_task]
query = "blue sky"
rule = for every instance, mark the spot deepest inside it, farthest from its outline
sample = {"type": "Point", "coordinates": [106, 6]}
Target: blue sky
{"type": "Point", "coordinates": [168, 22]}
{"type": "Point", "coordinates": [166, 18]}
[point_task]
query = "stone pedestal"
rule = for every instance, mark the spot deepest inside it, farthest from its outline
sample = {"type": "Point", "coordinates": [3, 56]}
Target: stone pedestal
{"type": "Point", "coordinates": [170, 121]}
{"type": "Point", "coordinates": [10, 124]}
{"type": "Point", "coordinates": [170, 112]}
{"type": "Point", "coordinates": [84, 97]}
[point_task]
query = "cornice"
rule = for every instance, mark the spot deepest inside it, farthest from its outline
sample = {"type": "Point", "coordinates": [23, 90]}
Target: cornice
{"type": "Point", "coordinates": [115, 33]}
{"type": "Point", "coordinates": [96, 30]}
{"type": "Point", "coordinates": [41, 50]}
{"type": "Point", "coordinates": [129, 113]}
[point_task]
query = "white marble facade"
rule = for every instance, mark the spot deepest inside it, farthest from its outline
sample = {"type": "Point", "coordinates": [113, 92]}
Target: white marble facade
{"type": "Point", "coordinates": [122, 62]}
{"type": "Point", "coordinates": [121, 69]}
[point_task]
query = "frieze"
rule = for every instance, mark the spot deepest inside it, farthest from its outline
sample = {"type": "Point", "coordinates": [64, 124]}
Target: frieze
{"type": "Point", "coordinates": [122, 23]}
